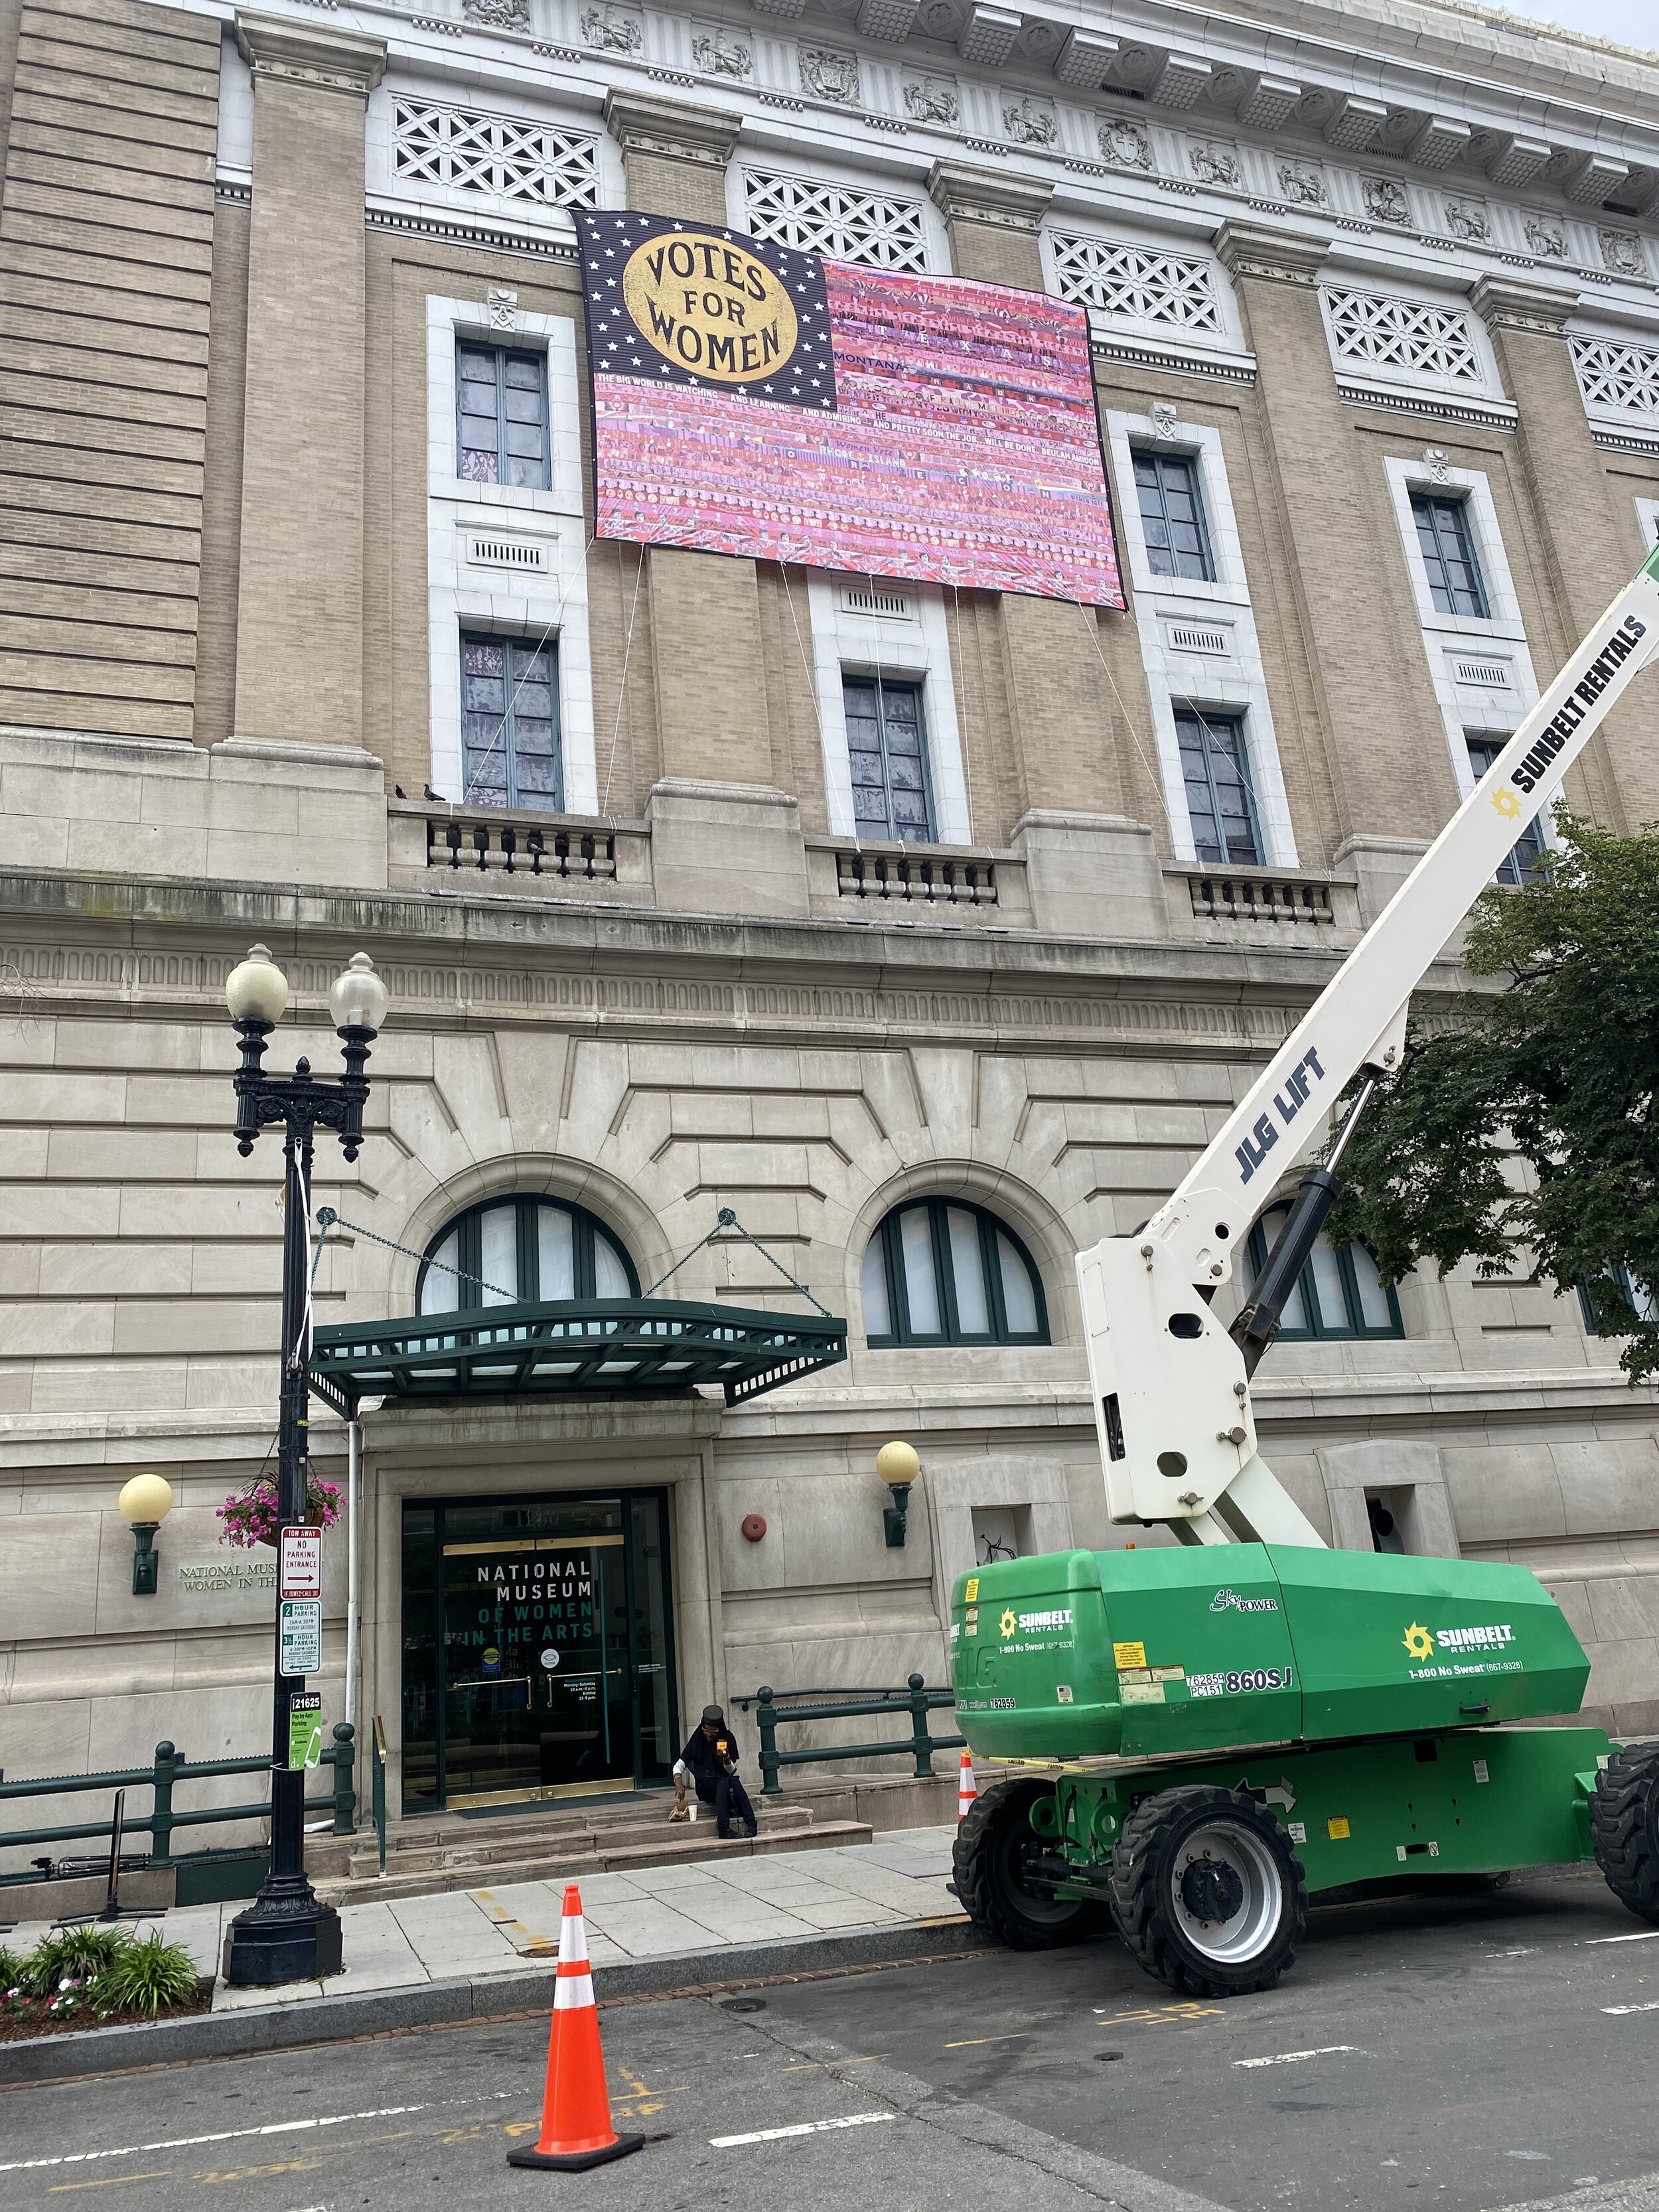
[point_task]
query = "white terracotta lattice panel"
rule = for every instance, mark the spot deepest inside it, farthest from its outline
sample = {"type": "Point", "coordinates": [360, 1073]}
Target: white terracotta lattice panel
{"type": "Point", "coordinates": [836, 220]}
{"type": "Point", "coordinates": [1613, 374]}
{"type": "Point", "coordinates": [1136, 283]}
{"type": "Point", "coordinates": [470, 150]}
{"type": "Point", "coordinates": [1409, 337]}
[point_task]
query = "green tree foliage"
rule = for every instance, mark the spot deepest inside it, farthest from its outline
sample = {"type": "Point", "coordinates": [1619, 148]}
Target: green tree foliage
{"type": "Point", "coordinates": [1527, 1129]}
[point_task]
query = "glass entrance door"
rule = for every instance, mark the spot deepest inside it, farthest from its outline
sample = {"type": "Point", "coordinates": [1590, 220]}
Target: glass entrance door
{"type": "Point", "coordinates": [536, 1660]}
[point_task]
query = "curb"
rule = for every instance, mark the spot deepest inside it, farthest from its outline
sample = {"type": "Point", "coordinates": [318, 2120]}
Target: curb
{"type": "Point", "coordinates": [293, 2025]}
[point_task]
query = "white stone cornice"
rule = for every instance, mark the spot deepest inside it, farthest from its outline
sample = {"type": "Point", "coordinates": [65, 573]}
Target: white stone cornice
{"type": "Point", "coordinates": [274, 46]}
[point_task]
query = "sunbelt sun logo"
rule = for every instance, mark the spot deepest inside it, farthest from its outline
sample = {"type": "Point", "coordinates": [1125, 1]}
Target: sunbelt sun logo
{"type": "Point", "coordinates": [1421, 1643]}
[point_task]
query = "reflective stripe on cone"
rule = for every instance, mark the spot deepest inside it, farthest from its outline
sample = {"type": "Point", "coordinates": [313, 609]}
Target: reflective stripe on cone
{"type": "Point", "coordinates": [576, 2130]}
{"type": "Point", "coordinates": [967, 1790]}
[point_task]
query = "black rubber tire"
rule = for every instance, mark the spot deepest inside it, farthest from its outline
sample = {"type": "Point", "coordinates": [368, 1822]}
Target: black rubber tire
{"type": "Point", "coordinates": [990, 1843]}
{"type": "Point", "coordinates": [1144, 1870]}
{"type": "Point", "coordinates": [1623, 1823]}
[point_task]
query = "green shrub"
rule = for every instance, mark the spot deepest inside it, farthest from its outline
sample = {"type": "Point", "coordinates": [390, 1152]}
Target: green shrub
{"type": "Point", "coordinates": [147, 1975]}
{"type": "Point", "coordinates": [11, 1969]}
{"type": "Point", "coordinates": [71, 1955]}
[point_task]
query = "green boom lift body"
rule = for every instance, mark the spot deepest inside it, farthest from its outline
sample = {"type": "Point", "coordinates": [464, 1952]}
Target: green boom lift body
{"type": "Point", "coordinates": [1247, 1719]}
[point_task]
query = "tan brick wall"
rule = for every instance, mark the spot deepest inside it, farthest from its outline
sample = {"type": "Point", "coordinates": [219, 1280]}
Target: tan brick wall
{"type": "Point", "coordinates": [106, 250]}
{"type": "Point", "coordinates": [1582, 557]}
{"type": "Point", "coordinates": [222, 502]}
{"type": "Point", "coordinates": [300, 615]}
{"type": "Point", "coordinates": [1385, 756]}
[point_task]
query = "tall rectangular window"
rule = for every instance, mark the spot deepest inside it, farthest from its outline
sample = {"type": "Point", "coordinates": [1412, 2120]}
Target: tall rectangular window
{"type": "Point", "coordinates": [1172, 516]}
{"type": "Point", "coordinates": [887, 749]}
{"type": "Point", "coordinates": [510, 724]}
{"type": "Point", "coordinates": [1449, 555]}
{"type": "Point", "coordinates": [501, 428]}
{"type": "Point", "coordinates": [1220, 803]}
{"type": "Point", "coordinates": [1527, 849]}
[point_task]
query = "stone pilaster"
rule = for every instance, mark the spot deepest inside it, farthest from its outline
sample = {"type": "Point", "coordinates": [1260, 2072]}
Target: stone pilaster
{"type": "Point", "coordinates": [674, 157]}
{"type": "Point", "coordinates": [300, 605]}
{"type": "Point", "coordinates": [993, 221]}
{"type": "Point", "coordinates": [1589, 552]}
{"type": "Point", "coordinates": [1385, 756]}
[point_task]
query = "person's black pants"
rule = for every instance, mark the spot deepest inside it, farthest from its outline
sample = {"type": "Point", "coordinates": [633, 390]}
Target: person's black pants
{"type": "Point", "coordinates": [728, 1797]}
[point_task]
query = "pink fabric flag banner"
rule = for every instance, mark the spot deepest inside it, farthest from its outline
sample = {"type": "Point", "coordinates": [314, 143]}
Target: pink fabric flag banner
{"type": "Point", "coordinates": [750, 399]}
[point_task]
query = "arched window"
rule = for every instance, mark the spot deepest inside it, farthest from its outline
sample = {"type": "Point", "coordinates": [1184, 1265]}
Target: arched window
{"type": "Point", "coordinates": [1338, 1293]}
{"type": "Point", "coordinates": [942, 1272]}
{"type": "Point", "coordinates": [526, 1251]}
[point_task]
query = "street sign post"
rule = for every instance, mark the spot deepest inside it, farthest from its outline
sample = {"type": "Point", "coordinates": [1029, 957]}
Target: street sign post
{"type": "Point", "coordinates": [299, 1562]}
{"type": "Point", "coordinates": [300, 1630]}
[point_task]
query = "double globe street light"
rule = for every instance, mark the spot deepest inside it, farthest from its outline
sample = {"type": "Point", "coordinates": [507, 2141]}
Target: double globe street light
{"type": "Point", "coordinates": [287, 1935]}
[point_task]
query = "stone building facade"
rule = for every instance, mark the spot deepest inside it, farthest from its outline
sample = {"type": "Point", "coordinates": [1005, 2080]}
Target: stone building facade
{"type": "Point", "coordinates": [1375, 299]}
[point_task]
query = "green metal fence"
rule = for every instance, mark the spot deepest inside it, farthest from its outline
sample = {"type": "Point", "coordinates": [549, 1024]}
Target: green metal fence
{"type": "Point", "coordinates": [774, 1709]}
{"type": "Point", "coordinates": [201, 1876]}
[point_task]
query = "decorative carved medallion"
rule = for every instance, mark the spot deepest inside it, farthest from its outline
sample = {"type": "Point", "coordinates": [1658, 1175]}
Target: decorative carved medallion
{"type": "Point", "coordinates": [612, 31]}
{"type": "Point", "coordinates": [719, 53]}
{"type": "Point", "coordinates": [1125, 144]}
{"type": "Point", "coordinates": [1467, 220]}
{"type": "Point", "coordinates": [1386, 200]}
{"type": "Point", "coordinates": [1545, 237]}
{"type": "Point", "coordinates": [1303, 182]}
{"type": "Point", "coordinates": [1621, 251]}
{"type": "Point", "coordinates": [1212, 163]}
{"type": "Point", "coordinates": [1028, 122]}
{"type": "Point", "coordinates": [829, 76]}
{"type": "Point", "coordinates": [929, 100]}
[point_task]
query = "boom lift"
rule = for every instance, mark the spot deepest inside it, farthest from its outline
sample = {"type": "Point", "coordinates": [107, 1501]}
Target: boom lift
{"type": "Point", "coordinates": [1243, 1728]}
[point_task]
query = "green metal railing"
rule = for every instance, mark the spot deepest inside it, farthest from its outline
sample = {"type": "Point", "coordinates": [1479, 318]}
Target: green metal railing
{"type": "Point", "coordinates": [168, 1769]}
{"type": "Point", "coordinates": [773, 1708]}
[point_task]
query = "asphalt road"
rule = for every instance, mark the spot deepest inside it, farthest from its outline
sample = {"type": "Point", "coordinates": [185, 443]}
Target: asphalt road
{"type": "Point", "coordinates": [1467, 2053]}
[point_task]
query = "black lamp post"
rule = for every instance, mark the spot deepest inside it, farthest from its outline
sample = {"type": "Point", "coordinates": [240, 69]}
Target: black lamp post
{"type": "Point", "coordinates": [286, 1935]}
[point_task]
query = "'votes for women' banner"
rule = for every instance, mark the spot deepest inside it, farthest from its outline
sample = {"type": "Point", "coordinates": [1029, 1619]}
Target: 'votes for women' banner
{"type": "Point", "coordinates": [750, 399]}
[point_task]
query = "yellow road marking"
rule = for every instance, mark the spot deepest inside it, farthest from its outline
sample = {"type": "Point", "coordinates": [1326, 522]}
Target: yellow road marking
{"type": "Point", "coordinates": [969, 2042]}
{"type": "Point", "coordinates": [812, 2065]}
{"type": "Point", "coordinates": [258, 2173]}
{"type": "Point", "coordinates": [115, 2181]}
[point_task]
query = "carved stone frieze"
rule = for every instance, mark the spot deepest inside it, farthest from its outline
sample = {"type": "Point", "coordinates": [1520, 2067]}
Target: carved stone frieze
{"type": "Point", "coordinates": [829, 76]}
{"type": "Point", "coordinates": [301, 53]}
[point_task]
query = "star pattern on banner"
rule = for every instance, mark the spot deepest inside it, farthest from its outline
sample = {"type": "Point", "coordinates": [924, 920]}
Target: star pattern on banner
{"type": "Point", "coordinates": [616, 346]}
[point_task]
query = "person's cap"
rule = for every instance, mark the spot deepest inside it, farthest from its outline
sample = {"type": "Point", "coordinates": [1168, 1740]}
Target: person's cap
{"type": "Point", "coordinates": [714, 1713]}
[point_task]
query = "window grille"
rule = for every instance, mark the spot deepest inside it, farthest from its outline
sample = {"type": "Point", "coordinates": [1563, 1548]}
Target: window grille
{"type": "Point", "coordinates": [1172, 517]}
{"type": "Point", "coordinates": [500, 417]}
{"type": "Point", "coordinates": [471, 151]}
{"type": "Point", "coordinates": [887, 751]}
{"type": "Point", "coordinates": [873, 227]}
{"type": "Point", "coordinates": [1220, 803]}
{"type": "Point", "coordinates": [529, 1251]}
{"type": "Point", "coordinates": [1135, 282]}
{"type": "Point", "coordinates": [1612, 374]}
{"type": "Point", "coordinates": [942, 1272]}
{"type": "Point", "coordinates": [510, 724]}
{"type": "Point", "coordinates": [1338, 1292]}
{"type": "Point", "coordinates": [1455, 584]}
{"type": "Point", "coordinates": [1405, 336]}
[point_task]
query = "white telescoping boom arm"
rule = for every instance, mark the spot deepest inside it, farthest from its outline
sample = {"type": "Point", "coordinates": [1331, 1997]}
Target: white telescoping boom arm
{"type": "Point", "coordinates": [1171, 1390]}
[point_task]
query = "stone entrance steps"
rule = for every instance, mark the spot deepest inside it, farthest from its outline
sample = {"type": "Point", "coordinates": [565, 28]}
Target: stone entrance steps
{"type": "Point", "coordinates": [447, 1853]}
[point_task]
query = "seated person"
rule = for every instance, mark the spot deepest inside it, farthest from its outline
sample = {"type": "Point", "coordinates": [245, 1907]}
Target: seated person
{"type": "Point", "coordinates": [710, 1757]}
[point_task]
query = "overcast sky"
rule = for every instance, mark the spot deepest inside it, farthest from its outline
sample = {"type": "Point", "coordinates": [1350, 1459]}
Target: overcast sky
{"type": "Point", "coordinates": [1632, 22]}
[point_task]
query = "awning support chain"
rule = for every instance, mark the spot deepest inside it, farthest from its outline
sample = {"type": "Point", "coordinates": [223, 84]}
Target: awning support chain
{"type": "Point", "coordinates": [725, 1218]}
{"type": "Point", "coordinates": [331, 1219]}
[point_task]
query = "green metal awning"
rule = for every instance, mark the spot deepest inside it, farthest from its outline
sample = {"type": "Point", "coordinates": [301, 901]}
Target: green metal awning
{"type": "Point", "coordinates": [572, 1348]}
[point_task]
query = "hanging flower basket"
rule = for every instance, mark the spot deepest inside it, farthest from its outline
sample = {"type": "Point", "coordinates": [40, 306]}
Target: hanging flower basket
{"type": "Point", "coordinates": [250, 1517]}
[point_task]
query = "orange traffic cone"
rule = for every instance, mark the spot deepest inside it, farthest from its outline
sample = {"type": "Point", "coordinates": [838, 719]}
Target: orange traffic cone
{"type": "Point", "coordinates": [576, 2130]}
{"type": "Point", "coordinates": [967, 1790]}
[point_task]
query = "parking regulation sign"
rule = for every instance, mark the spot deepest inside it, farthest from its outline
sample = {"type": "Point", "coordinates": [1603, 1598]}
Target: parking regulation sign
{"type": "Point", "coordinates": [300, 1635]}
{"type": "Point", "coordinates": [299, 1562]}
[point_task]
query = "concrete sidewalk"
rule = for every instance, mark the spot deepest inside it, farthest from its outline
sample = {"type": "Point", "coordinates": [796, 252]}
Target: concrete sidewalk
{"type": "Point", "coordinates": [666, 1912]}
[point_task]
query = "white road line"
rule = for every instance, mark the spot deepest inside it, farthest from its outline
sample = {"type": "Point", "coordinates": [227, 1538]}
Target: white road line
{"type": "Point", "coordinates": [1642, 1936]}
{"type": "Point", "coordinates": [234, 2134]}
{"type": "Point", "coordinates": [806, 2127]}
{"type": "Point", "coordinates": [1292, 2057]}
{"type": "Point", "coordinates": [1619, 2011]}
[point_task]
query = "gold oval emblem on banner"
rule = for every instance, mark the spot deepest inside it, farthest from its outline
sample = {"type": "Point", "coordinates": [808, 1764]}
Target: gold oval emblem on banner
{"type": "Point", "coordinates": [710, 306]}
